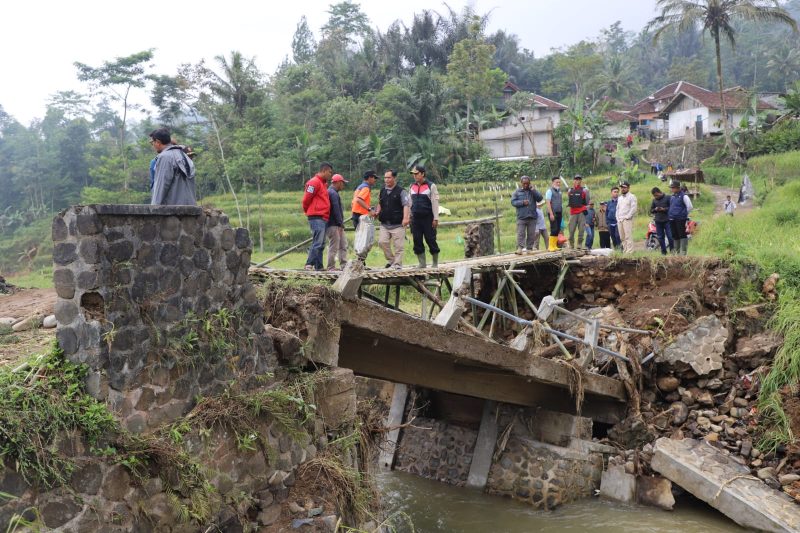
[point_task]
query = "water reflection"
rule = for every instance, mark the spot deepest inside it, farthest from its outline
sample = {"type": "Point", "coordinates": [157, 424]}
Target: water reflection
{"type": "Point", "coordinates": [436, 507]}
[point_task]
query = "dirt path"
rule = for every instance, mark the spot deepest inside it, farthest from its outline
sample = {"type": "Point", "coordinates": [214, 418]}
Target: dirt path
{"type": "Point", "coordinates": [720, 194]}
{"type": "Point", "coordinates": [27, 301]}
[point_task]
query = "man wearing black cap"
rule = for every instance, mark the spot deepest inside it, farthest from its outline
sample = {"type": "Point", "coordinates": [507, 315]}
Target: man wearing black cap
{"type": "Point", "coordinates": [578, 201]}
{"type": "Point", "coordinates": [680, 205]}
{"type": "Point", "coordinates": [424, 216]}
{"type": "Point", "coordinates": [173, 172]}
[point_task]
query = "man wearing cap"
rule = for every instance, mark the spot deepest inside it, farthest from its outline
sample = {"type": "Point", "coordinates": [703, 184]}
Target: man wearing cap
{"type": "Point", "coordinates": [424, 216]}
{"type": "Point", "coordinates": [590, 221]}
{"type": "Point", "coordinates": [317, 207]}
{"type": "Point", "coordinates": [525, 199]}
{"type": "Point", "coordinates": [578, 201]}
{"type": "Point", "coordinates": [602, 226]}
{"type": "Point", "coordinates": [173, 172]}
{"type": "Point", "coordinates": [363, 196]}
{"type": "Point", "coordinates": [554, 210]}
{"type": "Point", "coordinates": [627, 206]}
{"type": "Point", "coordinates": [337, 242]}
{"type": "Point", "coordinates": [394, 214]}
{"type": "Point", "coordinates": [680, 205]}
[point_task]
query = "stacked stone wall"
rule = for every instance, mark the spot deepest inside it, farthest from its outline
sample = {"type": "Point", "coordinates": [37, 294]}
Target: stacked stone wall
{"type": "Point", "coordinates": [133, 283]}
{"type": "Point", "coordinates": [543, 475]}
{"type": "Point", "coordinates": [437, 450]}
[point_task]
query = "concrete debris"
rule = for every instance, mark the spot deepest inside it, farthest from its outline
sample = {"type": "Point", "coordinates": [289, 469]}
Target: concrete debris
{"type": "Point", "coordinates": [616, 484]}
{"type": "Point", "coordinates": [701, 346]}
{"type": "Point", "coordinates": [726, 485]}
{"type": "Point", "coordinates": [29, 322]}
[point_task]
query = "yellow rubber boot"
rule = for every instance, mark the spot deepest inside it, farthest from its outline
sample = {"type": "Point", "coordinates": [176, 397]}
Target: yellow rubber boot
{"type": "Point", "coordinates": [553, 244]}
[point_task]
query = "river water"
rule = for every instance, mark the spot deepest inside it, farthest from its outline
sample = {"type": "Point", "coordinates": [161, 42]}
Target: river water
{"type": "Point", "coordinates": [436, 507]}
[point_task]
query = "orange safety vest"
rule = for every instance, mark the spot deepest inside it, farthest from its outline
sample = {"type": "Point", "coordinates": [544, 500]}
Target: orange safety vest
{"type": "Point", "coordinates": [363, 192]}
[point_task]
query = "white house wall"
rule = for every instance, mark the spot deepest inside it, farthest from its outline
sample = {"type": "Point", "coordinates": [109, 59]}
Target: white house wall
{"type": "Point", "coordinates": [680, 120]}
{"type": "Point", "coordinates": [513, 140]}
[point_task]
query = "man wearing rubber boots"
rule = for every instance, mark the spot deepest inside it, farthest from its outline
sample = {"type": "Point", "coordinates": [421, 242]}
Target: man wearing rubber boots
{"type": "Point", "coordinates": [424, 216]}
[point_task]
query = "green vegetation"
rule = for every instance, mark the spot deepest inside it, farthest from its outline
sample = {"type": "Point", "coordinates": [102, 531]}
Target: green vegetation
{"type": "Point", "coordinates": [42, 403]}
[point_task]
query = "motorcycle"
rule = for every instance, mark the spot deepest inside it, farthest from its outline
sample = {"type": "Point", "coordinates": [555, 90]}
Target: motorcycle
{"type": "Point", "coordinates": [651, 238]}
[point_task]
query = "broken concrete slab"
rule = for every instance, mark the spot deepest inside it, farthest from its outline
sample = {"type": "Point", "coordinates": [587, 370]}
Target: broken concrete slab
{"type": "Point", "coordinates": [701, 346]}
{"type": "Point", "coordinates": [393, 421]}
{"type": "Point", "coordinates": [350, 279]}
{"type": "Point", "coordinates": [335, 396]}
{"type": "Point", "coordinates": [483, 452]}
{"type": "Point", "coordinates": [616, 484]}
{"type": "Point", "coordinates": [718, 480]}
{"type": "Point", "coordinates": [451, 313]}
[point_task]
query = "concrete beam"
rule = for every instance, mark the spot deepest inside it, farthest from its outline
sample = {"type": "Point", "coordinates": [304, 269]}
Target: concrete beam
{"type": "Point", "coordinates": [484, 447]}
{"type": "Point", "coordinates": [396, 359]}
{"type": "Point", "coordinates": [410, 332]}
{"type": "Point", "coordinates": [393, 420]}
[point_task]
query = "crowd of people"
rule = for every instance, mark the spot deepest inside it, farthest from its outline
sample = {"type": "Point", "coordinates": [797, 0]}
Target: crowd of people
{"type": "Point", "coordinates": [395, 210]}
{"type": "Point", "coordinates": [612, 222]}
{"type": "Point", "coordinates": [172, 183]}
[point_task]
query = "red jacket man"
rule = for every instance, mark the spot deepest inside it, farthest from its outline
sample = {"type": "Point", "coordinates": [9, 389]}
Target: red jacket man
{"type": "Point", "coordinates": [316, 202]}
{"type": "Point", "coordinates": [317, 207]}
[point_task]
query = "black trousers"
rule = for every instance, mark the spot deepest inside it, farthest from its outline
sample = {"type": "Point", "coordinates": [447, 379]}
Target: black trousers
{"type": "Point", "coordinates": [678, 228]}
{"type": "Point", "coordinates": [555, 224]}
{"type": "Point", "coordinates": [605, 239]}
{"type": "Point", "coordinates": [422, 227]}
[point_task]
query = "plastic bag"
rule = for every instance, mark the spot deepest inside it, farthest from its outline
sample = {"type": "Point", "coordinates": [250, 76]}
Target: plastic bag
{"type": "Point", "coordinates": [365, 236]}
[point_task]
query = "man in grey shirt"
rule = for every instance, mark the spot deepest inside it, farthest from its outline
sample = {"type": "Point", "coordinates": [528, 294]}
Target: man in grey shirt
{"type": "Point", "coordinates": [394, 213]}
{"type": "Point", "coordinates": [173, 180]}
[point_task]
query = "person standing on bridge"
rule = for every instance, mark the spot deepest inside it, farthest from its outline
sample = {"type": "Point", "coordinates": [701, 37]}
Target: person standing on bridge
{"type": "Point", "coordinates": [394, 214]}
{"type": "Point", "coordinates": [627, 206]}
{"type": "Point", "coordinates": [591, 222]}
{"type": "Point", "coordinates": [578, 201]}
{"type": "Point", "coordinates": [337, 242]}
{"type": "Point", "coordinates": [554, 210]}
{"type": "Point", "coordinates": [602, 226]}
{"type": "Point", "coordinates": [680, 205]}
{"type": "Point", "coordinates": [541, 227]}
{"type": "Point", "coordinates": [363, 196]}
{"type": "Point", "coordinates": [611, 218]}
{"type": "Point", "coordinates": [317, 207]}
{"type": "Point", "coordinates": [525, 199]}
{"type": "Point", "coordinates": [424, 216]}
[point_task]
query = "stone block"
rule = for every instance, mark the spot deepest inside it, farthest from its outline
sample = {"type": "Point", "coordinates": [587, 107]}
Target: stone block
{"type": "Point", "coordinates": [90, 251]}
{"type": "Point", "coordinates": [450, 315]}
{"type": "Point", "coordinates": [336, 398]}
{"type": "Point", "coordinates": [58, 512]}
{"type": "Point", "coordinates": [169, 255]}
{"type": "Point", "coordinates": [655, 491]}
{"type": "Point", "coordinates": [242, 239]}
{"type": "Point", "coordinates": [120, 251]}
{"type": "Point", "coordinates": [170, 228]}
{"type": "Point", "coordinates": [67, 340]}
{"type": "Point", "coordinates": [59, 229]}
{"type": "Point", "coordinates": [64, 253]}
{"type": "Point", "coordinates": [349, 281]}
{"type": "Point", "coordinates": [64, 281]}
{"type": "Point", "coordinates": [88, 222]}
{"type": "Point", "coordinates": [616, 484]}
{"type": "Point", "coordinates": [87, 479]}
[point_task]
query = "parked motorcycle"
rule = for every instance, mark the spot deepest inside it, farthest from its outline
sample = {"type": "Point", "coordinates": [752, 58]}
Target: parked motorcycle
{"type": "Point", "coordinates": [651, 238]}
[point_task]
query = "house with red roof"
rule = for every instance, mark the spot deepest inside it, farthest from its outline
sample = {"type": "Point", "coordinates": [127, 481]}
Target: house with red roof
{"type": "Point", "coordinates": [683, 110]}
{"type": "Point", "coordinates": [526, 134]}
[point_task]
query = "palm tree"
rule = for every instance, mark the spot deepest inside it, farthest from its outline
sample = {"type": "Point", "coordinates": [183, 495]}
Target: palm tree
{"type": "Point", "coordinates": [615, 81]}
{"type": "Point", "coordinates": [784, 63]}
{"type": "Point", "coordinates": [717, 18]}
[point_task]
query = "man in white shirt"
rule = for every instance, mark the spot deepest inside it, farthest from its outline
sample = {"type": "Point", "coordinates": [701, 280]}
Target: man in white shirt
{"type": "Point", "coordinates": [627, 206]}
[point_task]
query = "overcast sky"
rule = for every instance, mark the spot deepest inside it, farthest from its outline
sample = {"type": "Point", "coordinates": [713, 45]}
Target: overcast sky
{"type": "Point", "coordinates": [41, 39]}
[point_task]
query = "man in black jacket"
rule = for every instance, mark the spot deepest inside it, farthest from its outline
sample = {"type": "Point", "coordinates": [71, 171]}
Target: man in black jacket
{"type": "Point", "coordinates": [337, 242]}
{"type": "Point", "coordinates": [394, 214]}
{"type": "Point", "coordinates": [659, 208]}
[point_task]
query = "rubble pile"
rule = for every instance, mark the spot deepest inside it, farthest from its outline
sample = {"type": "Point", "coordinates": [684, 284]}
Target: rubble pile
{"type": "Point", "coordinates": [6, 287]}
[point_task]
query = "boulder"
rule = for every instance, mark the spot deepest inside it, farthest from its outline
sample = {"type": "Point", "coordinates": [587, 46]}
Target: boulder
{"type": "Point", "coordinates": [655, 491]}
{"type": "Point", "coordinates": [49, 322]}
{"type": "Point", "coordinates": [668, 383]}
{"type": "Point", "coordinates": [29, 322]}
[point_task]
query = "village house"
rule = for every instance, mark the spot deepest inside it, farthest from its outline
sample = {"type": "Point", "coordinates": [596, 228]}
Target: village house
{"type": "Point", "coordinates": [620, 124]}
{"type": "Point", "coordinates": [683, 110]}
{"type": "Point", "coordinates": [695, 112]}
{"type": "Point", "coordinates": [526, 134]}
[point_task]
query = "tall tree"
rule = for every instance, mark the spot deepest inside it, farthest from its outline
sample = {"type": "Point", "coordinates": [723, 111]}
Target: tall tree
{"type": "Point", "coordinates": [347, 21]}
{"type": "Point", "coordinates": [116, 79]}
{"type": "Point", "coordinates": [303, 44]}
{"type": "Point", "coordinates": [470, 70]}
{"type": "Point", "coordinates": [717, 17]}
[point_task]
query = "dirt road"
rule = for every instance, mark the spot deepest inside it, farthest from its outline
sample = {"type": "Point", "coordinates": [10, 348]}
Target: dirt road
{"type": "Point", "coordinates": [27, 301]}
{"type": "Point", "coordinates": [720, 194]}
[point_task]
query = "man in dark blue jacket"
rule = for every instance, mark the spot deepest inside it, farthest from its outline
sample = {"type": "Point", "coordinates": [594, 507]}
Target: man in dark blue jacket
{"type": "Point", "coordinates": [525, 199]}
{"type": "Point", "coordinates": [611, 218]}
{"type": "Point", "coordinates": [337, 242]}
